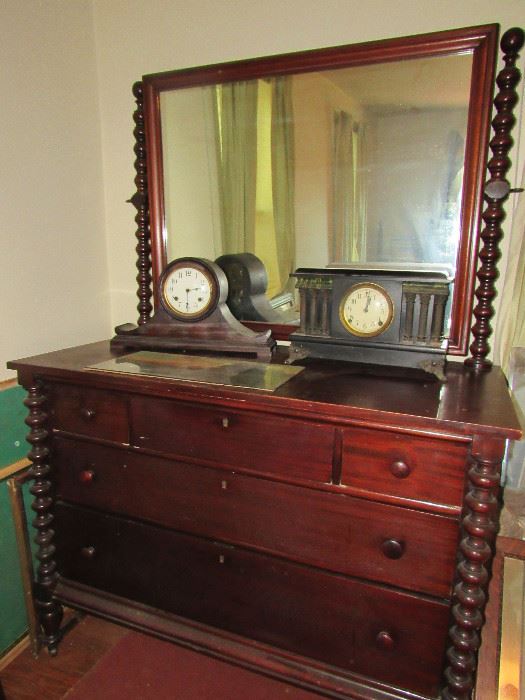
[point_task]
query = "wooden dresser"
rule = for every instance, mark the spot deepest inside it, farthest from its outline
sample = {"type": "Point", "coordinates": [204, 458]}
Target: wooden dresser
{"type": "Point", "coordinates": [315, 533]}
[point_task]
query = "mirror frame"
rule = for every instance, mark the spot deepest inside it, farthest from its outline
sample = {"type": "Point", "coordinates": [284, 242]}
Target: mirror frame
{"type": "Point", "coordinates": [481, 41]}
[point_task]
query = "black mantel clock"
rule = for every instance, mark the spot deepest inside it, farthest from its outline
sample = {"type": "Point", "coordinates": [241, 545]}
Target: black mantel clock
{"type": "Point", "coordinates": [192, 315]}
{"type": "Point", "coordinates": [373, 316]}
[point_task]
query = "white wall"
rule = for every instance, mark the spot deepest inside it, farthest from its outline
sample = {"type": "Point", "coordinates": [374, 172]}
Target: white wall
{"type": "Point", "coordinates": [135, 37]}
{"type": "Point", "coordinates": [53, 279]}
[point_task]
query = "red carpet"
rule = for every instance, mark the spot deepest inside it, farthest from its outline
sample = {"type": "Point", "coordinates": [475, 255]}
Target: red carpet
{"type": "Point", "coordinates": [140, 667]}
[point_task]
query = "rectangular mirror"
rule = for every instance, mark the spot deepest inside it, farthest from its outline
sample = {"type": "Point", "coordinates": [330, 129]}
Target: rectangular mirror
{"type": "Point", "coordinates": [371, 154]}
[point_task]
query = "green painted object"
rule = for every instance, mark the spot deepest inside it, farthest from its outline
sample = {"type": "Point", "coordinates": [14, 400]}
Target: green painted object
{"type": "Point", "coordinates": [13, 431]}
{"type": "Point", "coordinates": [13, 447]}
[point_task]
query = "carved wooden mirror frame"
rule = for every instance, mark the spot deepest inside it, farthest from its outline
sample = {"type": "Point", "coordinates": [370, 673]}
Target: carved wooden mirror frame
{"type": "Point", "coordinates": [481, 41]}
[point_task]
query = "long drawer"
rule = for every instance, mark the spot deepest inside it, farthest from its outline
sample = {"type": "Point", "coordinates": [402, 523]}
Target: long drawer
{"type": "Point", "coordinates": [252, 442]}
{"type": "Point", "coordinates": [329, 530]}
{"type": "Point", "coordinates": [394, 637]}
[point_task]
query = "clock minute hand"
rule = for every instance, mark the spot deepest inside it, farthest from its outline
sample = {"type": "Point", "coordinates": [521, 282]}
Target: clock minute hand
{"type": "Point", "coordinates": [368, 300]}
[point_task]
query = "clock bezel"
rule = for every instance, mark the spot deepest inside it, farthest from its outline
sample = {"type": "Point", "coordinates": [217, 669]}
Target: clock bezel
{"type": "Point", "coordinates": [366, 285]}
{"type": "Point", "coordinates": [208, 272]}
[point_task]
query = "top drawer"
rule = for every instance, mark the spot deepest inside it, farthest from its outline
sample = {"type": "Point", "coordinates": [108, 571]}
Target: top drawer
{"type": "Point", "coordinates": [404, 466]}
{"type": "Point", "coordinates": [90, 412]}
{"type": "Point", "coordinates": [251, 442]}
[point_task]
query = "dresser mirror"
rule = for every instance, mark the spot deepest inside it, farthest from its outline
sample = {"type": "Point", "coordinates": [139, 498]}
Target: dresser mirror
{"type": "Point", "coordinates": [372, 154]}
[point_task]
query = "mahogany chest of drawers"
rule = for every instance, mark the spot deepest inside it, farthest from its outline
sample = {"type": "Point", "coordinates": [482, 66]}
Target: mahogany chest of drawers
{"type": "Point", "coordinates": [336, 532]}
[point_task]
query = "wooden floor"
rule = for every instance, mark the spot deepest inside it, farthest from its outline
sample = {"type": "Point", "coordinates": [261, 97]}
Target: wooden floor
{"type": "Point", "coordinates": [50, 678]}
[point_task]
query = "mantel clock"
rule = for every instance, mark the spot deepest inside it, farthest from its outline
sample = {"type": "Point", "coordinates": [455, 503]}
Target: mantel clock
{"type": "Point", "coordinates": [384, 317]}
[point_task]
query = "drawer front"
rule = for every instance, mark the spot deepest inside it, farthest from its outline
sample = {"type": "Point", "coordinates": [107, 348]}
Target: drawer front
{"type": "Point", "coordinates": [399, 546]}
{"type": "Point", "coordinates": [258, 443]}
{"type": "Point", "coordinates": [90, 412]}
{"type": "Point", "coordinates": [404, 466]}
{"type": "Point", "coordinates": [391, 636]}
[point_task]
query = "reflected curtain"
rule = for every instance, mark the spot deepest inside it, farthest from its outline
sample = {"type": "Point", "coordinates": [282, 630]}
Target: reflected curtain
{"type": "Point", "coordinates": [283, 184]}
{"type": "Point", "coordinates": [236, 127]}
{"type": "Point", "coordinates": [349, 196]}
{"type": "Point", "coordinates": [510, 330]}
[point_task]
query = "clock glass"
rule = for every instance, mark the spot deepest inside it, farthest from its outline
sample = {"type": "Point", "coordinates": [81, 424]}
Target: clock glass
{"type": "Point", "coordinates": [366, 310]}
{"type": "Point", "coordinates": [188, 290]}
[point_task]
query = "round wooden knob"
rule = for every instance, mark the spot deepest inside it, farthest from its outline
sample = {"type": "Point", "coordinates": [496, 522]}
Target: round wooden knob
{"type": "Point", "coordinates": [88, 413]}
{"type": "Point", "coordinates": [88, 552]}
{"type": "Point", "coordinates": [393, 549]}
{"type": "Point", "coordinates": [86, 476]}
{"type": "Point", "coordinates": [400, 469]}
{"type": "Point", "coordinates": [385, 640]}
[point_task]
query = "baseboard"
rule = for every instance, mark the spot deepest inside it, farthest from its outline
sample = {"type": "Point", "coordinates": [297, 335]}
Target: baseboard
{"type": "Point", "coordinates": [14, 651]}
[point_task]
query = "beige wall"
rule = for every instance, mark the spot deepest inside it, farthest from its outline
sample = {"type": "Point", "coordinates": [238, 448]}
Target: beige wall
{"type": "Point", "coordinates": [53, 279]}
{"type": "Point", "coordinates": [54, 275]}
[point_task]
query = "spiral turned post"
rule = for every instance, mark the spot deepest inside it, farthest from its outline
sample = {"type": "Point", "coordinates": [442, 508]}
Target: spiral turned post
{"type": "Point", "coordinates": [495, 194]}
{"type": "Point", "coordinates": [476, 552]}
{"type": "Point", "coordinates": [140, 202]}
{"type": "Point", "coordinates": [49, 611]}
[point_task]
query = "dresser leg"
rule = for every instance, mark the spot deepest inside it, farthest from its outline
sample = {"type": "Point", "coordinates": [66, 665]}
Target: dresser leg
{"type": "Point", "coordinates": [48, 610]}
{"type": "Point", "coordinates": [476, 552]}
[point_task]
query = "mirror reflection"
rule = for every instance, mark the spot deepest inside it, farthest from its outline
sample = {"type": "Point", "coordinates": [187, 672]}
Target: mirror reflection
{"type": "Point", "coordinates": [353, 165]}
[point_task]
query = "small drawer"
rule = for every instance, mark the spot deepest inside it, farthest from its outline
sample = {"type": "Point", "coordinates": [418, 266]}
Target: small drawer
{"type": "Point", "coordinates": [391, 636]}
{"type": "Point", "coordinates": [349, 535]}
{"type": "Point", "coordinates": [250, 442]}
{"type": "Point", "coordinates": [404, 466]}
{"type": "Point", "coordinates": [89, 412]}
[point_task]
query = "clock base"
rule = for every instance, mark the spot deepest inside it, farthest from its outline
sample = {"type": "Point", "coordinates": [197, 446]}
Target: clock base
{"type": "Point", "coordinates": [194, 339]}
{"type": "Point", "coordinates": [429, 360]}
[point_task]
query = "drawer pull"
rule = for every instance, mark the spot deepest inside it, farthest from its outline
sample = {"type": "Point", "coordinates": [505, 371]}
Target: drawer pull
{"type": "Point", "coordinates": [400, 469]}
{"type": "Point", "coordinates": [88, 552]}
{"type": "Point", "coordinates": [393, 549]}
{"type": "Point", "coordinates": [225, 422]}
{"type": "Point", "coordinates": [86, 476]}
{"type": "Point", "coordinates": [88, 413]}
{"type": "Point", "coordinates": [385, 640]}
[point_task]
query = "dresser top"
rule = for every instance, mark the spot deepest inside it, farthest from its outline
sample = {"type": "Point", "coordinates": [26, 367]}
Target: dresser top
{"type": "Point", "coordinates": [467, 403]}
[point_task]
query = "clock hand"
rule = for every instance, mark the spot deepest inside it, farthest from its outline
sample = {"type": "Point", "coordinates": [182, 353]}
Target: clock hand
{"type": "Point", "coordinates": [368, 300]}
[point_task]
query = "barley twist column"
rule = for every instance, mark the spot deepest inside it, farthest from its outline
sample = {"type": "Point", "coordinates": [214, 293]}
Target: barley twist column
{"type": "Point", "coordinates": [476, 552]}
{"type": "Point", "coordinates": [49, 611]}
{"type": "Point", "coordinates": [140, 202]}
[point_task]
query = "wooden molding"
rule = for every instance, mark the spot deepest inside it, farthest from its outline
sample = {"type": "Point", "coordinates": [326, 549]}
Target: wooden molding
{"type": "Point", "coordinates": [8, 384]}
{"type": "Point", "coordinates": [11, 469]}
{"type": "Point", "coordinates": [13, 652]}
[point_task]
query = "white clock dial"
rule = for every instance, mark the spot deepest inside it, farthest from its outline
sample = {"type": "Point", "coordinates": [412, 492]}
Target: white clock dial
{"type": "Point", "coordinates": [366, 309]}
{"type": "Point", "coordinates": [188, 291]}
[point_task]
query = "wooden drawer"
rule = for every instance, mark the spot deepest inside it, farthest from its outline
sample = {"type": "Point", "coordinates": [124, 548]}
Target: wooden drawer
{"type": "Point", "coordinates": [394, 637]}
{"type": "Point", "coordinates": [404, 466]}
{"type": "Point", "coordinates": [251, 442]}
{"type": "Point", "coordinates": [386, 543]}
{"type": "Point", "coordinates": [90, 412]}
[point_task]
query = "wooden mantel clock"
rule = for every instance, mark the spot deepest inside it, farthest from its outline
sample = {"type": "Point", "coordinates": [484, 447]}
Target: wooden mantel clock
{"type": "Point", "coordinates": [193, 315]}
{"type": "Point", "coordinates": [336, 531]}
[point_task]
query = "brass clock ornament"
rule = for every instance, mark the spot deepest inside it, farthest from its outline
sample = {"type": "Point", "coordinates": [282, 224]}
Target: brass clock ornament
{"type": "Point", "coordinates": [373, 316]}
{"type": "Point", "coordinates": [366, 310]}
{"type": "Point", "coordinates": [192, 315]}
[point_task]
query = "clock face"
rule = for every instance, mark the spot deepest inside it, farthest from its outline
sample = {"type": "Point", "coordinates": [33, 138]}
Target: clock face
{"type": "Point", "coordinates": [188, 290]}
{"type": "Point", "coordinates": [366, 310]}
